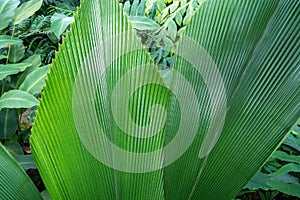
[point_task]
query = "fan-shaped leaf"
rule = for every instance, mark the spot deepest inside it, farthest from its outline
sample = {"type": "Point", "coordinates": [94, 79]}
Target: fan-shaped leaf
{"type": "Point", "coordinates": [14, 183]}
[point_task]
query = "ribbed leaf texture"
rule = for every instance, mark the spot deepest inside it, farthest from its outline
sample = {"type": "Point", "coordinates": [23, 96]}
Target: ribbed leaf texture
{"type": "Point", "coordinates": [229, 102]}
{"type": "Point", "coordinates": [14, 183]}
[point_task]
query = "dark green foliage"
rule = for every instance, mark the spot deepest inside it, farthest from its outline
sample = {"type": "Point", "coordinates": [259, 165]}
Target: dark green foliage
{"type": "Point", "coordinates": [25, 47]}
{"type": "Point", "coordinates": [282, 171]}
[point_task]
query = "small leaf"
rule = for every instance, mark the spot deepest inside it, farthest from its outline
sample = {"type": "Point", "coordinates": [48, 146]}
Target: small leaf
{"type": "Point", "coordinates": [45, 195]}
{"type": "Point", "coordinates": [35, 81]}
{"type": "Point", "coordinates": [174, 6]}
{"type": "Point", "coordinates": [164, 14]}
{"type": "Point", "coordinates": [134, 8]}
{"type": "Point", "coordinates": [127, 7]}
{"type": "Point", "coordinates": [6, 40]}
{"type": "Point", "coordinates": [181, 30]}
{"type": "Point", "coordinates": [17, 52]}
{"type": "Point", "coordinates": [190, 11]}
{"type": "Point", "coordinates": [168, 43]}
{"type": "Point", "coordinates": [26, 161]}
{"type": "Point", "coordinates": [285, 157]}
{"type": "Point", "coordinates": [26, 10]}
{"type": "Point", "coordinates": [14, 148]}
{"type": "Point", "coordinates": [178, 18]}
{"type": "Point", "coordinates": [59, 23]}
{"type": "Point", "coordinates": [143, 23]}
{"type": "Point", "coordinates": [3, 57]}
{"type": "Point", "coordinates": [293, 142]}
{"type": "Point", "coordinates": [290, 189]}
{"type": "Point", "coordinates": [172, 29]}
{"type": "Point", "coordinates": [6, 70]}
{"type": "Point", "coordinates": [8, 123]}
{"type": "Point", "coordinates": [152, 11]}
{"type": "Point", "coordinates": [258, 181]}
{"type": "Point", "coordinates": [291, 167]}
{"type": "Point", "coordinates": [141, 8]}
{"type": "Point", "coordinates": [7, 10]}
{"type": "Point", "coordinates": [160, 5]}
{"type": "Point", "coordinates": [35, 62]}
{"type": "Point", "coordinates": [17, 99]}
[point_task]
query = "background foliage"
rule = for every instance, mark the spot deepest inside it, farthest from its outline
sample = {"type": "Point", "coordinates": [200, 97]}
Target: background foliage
{"type": "Point", "coordinates": [30, 32]}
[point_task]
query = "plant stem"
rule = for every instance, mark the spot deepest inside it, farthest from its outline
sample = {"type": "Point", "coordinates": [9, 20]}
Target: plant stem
{"type": "Point", "coordinates": [9, 47]}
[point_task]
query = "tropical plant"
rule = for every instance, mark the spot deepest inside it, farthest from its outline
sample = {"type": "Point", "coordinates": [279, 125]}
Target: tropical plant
{"type": "Point", "coordinates": [255, 48]}
{"type": "Point", "coordinates": [281, 172]}
{"type": "Point", "coordinates": [29, 36]}
{"type": "Point", "coordinates": [15, 184]}
{"type": "Point", "coordinates": [160, 24]}
{"type": "Point", "coordinates": [21, 79]}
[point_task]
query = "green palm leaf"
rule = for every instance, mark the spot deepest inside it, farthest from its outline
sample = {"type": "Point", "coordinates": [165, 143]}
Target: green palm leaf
{"type": "Point", "coordinates": [248, 43]}
{"type": "Point", "coordinates": [14, 183]}
{"type": "Point", "coordinates": [232, 97]}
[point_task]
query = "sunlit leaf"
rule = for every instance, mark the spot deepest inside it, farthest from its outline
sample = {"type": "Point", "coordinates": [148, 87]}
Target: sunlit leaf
{"type": "Point", "coordinates": [59, 23]}
{"type": "Point", "coordinates": [26, 10]}
{"type": "Point", "coordinates": [35, 81]}
{"type": "Point", "coordinates": [143, 23]}
{"type": "Point", "coordinates": [34, 61]}
{"type": "Point", "coordinates": [7, 10]}
{"type": "Point", "coordinates": [17, 99]}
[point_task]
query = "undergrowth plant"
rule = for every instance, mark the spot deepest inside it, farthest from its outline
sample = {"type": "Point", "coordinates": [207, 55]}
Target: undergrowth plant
{"type": "Point", "coordinates": [29, 35]}
{"type": "Point", "coordinates": [281, 173]}
{"type": "Point", "coordinates": [160, 24]}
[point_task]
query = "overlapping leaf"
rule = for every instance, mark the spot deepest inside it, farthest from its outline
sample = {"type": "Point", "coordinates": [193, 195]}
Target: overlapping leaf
{"type": "Point", "coordinates": [14, 183]}
{"type": "Point", "coordinates": [255, 46]}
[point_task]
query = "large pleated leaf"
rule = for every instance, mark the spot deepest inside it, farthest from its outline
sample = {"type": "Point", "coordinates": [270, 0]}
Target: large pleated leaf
{"type": "Point", "coordinates": [14, 183]}
{"type": "Point", "coordinates": [108, 127]}
{"type": "Point", "coordinates": [84, 51]}
{"type": "Point", "coordinates": [255, 46]}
